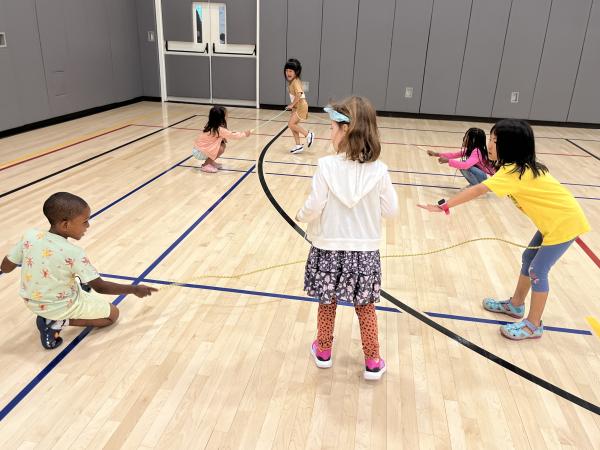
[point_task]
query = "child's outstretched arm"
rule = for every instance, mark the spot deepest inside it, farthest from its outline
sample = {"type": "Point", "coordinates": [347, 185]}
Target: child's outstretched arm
{"type": "Point", "coordinates": [7, 265]}
{"type": "Point", "coordinates": [462, 197]}
{"type": "Point", "coordinates": [107, 287]}
{"type": "Point", "coordinates": [227, 134]}
{"type": "Point", "coordinates": [314, 204]}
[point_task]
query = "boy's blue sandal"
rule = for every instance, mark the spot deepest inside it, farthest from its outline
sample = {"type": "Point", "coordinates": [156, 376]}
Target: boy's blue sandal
{"type": "Point", "coordinates": [516, 331]}
{"type": "Point", "coordinates": [504, 307]}
{"type": "Point", "coordinates": [49, 337]}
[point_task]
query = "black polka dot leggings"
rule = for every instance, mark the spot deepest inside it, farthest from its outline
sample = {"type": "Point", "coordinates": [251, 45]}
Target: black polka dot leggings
{"type": "Point", "coordinates": [367, 319]}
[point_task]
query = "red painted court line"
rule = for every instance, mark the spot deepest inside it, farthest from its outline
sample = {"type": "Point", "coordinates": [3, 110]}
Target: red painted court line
{"type": "Point", "coordinates": [394, 143]}
{"type": "Point", "coordinates": [62, 148]}
{"type": "Point", "coordinates": [588, 251]}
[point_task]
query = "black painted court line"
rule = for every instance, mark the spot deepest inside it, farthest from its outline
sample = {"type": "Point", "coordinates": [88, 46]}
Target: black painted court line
{"type": "Point", "coordinates": [581, 148]}
{"type": "Point", "coordinates": [209, 287]}
{"type": "Point", "coordinates": [419, 316]}
{"type": "Point", "coordinates": [81, 336]}
{"type": "Point", "coordinates": [58, 172]}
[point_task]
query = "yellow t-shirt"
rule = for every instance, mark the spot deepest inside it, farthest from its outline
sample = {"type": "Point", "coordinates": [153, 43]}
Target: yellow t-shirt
{"type": "Point", "coordinates": [549, 205]}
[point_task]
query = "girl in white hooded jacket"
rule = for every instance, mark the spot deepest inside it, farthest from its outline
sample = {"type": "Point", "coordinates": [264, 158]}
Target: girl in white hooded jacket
{"type": "Point", "coordinates": [351, 193]}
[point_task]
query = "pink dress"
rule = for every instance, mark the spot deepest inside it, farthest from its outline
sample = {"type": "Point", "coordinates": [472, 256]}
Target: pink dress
{"type": "Point", "coordinates": [209, 144]}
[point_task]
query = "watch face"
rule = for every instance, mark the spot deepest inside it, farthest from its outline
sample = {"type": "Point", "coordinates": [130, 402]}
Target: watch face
{"type": "Point", "coordinates": [441, 202]}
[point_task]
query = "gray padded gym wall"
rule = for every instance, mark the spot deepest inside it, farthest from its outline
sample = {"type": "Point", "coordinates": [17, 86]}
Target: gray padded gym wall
{"type": "Point", "coordinates": [304, 42]}
{"type": "Point", "coordinates": [373, 45]}
{"type": "Point", "coordinates": [66, 56]}
{"type": "Point", "coordinates": [77, 63]}
{"type": "Point", "coordinates": [146, 21]}
{"type": "Point", "coordinates": [124, 48]}
{"type": "Point", "coordinates": [273, 29]}
{"type": "Point", "coordinates": [521, 57]}
{"type": "Point", "coordinates": [485, 41]}
{"type": "Point", "coordinates": [585, 106]}
{"type": "Point", "coordinates": [447, 37]}
{"type": "Point", "coordinates": [407, 59]}
{"type": "Point", "coordinates": [337, 49]}
{"type": "Point", "coordinates": [23, 96]}
{"type": "Point", "coordinates": [560, 58]}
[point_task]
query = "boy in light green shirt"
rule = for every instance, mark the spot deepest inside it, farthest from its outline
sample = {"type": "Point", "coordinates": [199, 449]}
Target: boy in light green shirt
{"type": "Point", "coordinates": [49, 265]}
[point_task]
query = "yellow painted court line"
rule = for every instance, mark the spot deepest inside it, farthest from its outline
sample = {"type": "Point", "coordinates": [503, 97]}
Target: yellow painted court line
{"type": "Point", "coordinates": [595, 324]}
{"type": "Point", "coordinates": [71, 142]}
{"type": "Point", "coordinates": [46, 151]}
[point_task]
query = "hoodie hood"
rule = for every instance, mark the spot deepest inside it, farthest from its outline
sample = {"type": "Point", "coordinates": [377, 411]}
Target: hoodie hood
{"type": "Point", "coordinates": [349, 180]}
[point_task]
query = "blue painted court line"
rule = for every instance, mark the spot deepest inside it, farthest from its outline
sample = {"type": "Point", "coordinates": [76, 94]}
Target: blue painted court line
{"type": "Point", "coordinates": [502, 322]}
{"type": "Point", "coordinates": [65, 351]}
{"type": "Point", "coordinates": [241, 291]}
{"type": "Point", "coordinates": [397, 184]}
{"type": "Point", "coordinates": [315, 300]}
{"type": "Point", "coordinates": [404, 171]}
{"type": "Point", "coordinates": [141, 186]}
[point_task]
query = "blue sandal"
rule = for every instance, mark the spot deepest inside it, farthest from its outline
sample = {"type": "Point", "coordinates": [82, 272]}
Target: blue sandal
{"type": "Point", "coordinates": [504, 307]}
{"type": "Point", "coordinates": [49, 337]}
{"type": "Point", "coordinates": [516, 331]}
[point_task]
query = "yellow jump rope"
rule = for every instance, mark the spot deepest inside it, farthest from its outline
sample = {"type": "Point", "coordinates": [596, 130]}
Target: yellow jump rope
{"type": "Point", "coordinates": [301, 261]}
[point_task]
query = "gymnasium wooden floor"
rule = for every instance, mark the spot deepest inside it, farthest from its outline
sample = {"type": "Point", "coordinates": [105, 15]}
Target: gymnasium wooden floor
{"type": "Point", "coordinates": [224, 363]}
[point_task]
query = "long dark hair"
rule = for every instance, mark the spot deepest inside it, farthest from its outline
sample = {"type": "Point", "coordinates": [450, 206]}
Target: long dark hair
{"type": "Point", "coordinates": [475, 138]}
{"type": "Point", "coordinates": [515, 144]}
{"type": "Point", "coordinates": [293, 64]}
{"type": "Point", "coordinates": [216, 119]}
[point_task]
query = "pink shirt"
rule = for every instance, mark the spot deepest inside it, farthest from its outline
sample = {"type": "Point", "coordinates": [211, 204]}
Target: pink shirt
{"type": "Point", "coordinates": [209, 144]}
{"type": "Point", "coordinates": [474, 160]}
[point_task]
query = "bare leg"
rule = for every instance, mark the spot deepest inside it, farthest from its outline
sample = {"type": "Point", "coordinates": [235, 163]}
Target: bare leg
{"type": "Point", "coordinates": [521, 291]}
{"type": "Point", "coordinates": [538, 302]}
{"type": "Point", "coordinates": [98, 323]}
{"type": "Point", "coordinates": [297, 130]}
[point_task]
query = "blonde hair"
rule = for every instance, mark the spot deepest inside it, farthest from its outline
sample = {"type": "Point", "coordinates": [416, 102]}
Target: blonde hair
{"type": "Point", "coordinates": [361, 141]}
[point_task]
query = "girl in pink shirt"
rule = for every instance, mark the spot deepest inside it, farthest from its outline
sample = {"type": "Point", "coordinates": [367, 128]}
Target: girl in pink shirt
{"type": "Point", "coordinates": [211, 143]}
{"type": "Point", "coordinates": [472, 160]}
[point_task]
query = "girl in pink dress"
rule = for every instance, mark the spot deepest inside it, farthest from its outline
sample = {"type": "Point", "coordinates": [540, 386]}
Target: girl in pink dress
{"type": "Point", "coordinates": [211, 143]}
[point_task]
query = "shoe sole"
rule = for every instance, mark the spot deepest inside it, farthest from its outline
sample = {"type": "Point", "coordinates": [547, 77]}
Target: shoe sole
{"type": "Point", "coordinates": [309, 143]}
{"type": "Point", "coordinates": [512, 338]}
{"type": "Point", "coordinates": [41, 326]}
{"type": "Point", "coordinates": [374, 376]}
{"type": "Point", "coordinates": [321, 364]}
{"type": "Point", "coordinates": [296, 152]}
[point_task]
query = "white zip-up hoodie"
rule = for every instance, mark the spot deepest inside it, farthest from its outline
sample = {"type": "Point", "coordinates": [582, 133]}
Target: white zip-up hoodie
{"type": "Point", "coordinates": [346, 204]}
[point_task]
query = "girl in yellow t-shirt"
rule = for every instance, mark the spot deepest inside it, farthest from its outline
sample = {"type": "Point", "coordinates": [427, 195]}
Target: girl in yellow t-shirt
{"type": "Point", "coordinates": [298, 105]}
{"type": "Point", "coordinates": [550, 206]}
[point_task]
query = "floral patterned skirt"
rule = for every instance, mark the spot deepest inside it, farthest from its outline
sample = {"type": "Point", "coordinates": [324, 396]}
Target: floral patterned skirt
{"type": "Point", "coordinates": [353, 276]}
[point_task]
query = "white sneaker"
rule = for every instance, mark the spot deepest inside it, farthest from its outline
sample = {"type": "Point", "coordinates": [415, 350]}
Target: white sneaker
{"type": "Point", "coordinates": [310, 137]}
{"type": "Point", "coordinates": [297, 149]}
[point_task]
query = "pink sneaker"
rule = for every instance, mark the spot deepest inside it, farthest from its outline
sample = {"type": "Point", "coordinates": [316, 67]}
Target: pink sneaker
{"type": "Point", "coordinates": [208, 168]}
{"type": "Point", "coordinates": [374, 369]}
{"type": "Point", "coordinates": [322, 357]}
